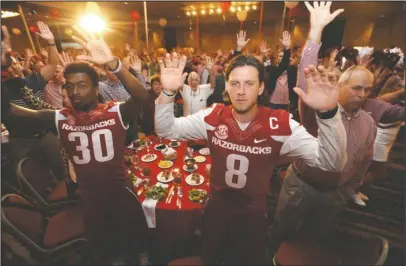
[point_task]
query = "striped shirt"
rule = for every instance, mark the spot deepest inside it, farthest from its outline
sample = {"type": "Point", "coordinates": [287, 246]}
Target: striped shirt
{"type": "Point", "coordinates": [115, 90]}
{"type": "Point", "coordinates": [360, 129]}
{"type": "Point", "coordinates": [35, 82]}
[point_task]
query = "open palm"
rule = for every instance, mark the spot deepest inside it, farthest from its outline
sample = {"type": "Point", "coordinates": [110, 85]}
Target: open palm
{"type": "Point", "coordinates": [172, 76]}
{"type": "Point", "coordinates": [98, 50]}
{"type": "Point", "coordinates": [322, 89]}
{"type": "Point", "coordinates": [320, 15]}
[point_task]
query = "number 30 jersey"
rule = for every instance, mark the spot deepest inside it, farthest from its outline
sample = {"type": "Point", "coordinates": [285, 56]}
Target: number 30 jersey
{"type": "Point", "coordinates": [243, 158]}
{"type": "Point", "coordinates": [95, 143]}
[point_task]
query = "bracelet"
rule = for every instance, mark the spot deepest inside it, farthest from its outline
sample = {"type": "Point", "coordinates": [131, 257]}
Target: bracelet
{"type": "Point", "coordinates": [168, 95]}
{"type": "Point", "coordinates": [118, 68]}
{"type": "Point", "coordinates": [51, 44]}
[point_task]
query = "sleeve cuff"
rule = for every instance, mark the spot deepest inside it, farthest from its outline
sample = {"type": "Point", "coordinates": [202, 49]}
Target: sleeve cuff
{"type": "Point", "coordinates": [327, 115]}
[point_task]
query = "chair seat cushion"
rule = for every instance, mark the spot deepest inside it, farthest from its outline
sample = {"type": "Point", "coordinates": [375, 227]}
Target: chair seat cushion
{"type": "Point", "coordinates": [28, 222]}
{"type": "Point", "coordinates": [59, 192]}
{"type": "Point", "coordinates": [189, 261]}
{"type": "Point", "coordinates": [305, 252]}
{"type": "Point", "coordinates": [64, 226]}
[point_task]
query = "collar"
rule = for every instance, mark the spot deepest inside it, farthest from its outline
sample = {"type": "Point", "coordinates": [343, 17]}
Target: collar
{"type": "Point", "coordinates": [347, 115]}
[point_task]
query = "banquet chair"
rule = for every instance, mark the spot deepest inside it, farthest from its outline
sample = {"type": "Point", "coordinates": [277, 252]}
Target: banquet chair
{"type": "Point", "coordinates": [188, 261]}
{"type": "Point", "coordinates": [40, 184]}
{"type": "Point", "coordinates": [339, 248]}
{"type": "Point", "coordinates": [47, 237]}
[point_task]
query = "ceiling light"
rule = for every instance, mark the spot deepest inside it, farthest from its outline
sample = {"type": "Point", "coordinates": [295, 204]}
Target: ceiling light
{"type": "Point", "coordinates": [9, 14]}
{"type": "Point", "coordinates": [203, 12]}
{"type": "Point", "coordinates": [239, 8]}
{"type": "Point", "coordinates": [194, 13]}
{"type": "Point", "coordinates": [219, 10]}
{"type": "Point", "coordinates": [254, 7]}
{"type": "Point", "coordinates": [247, 8]}
{"type": "Point", "coordinates": [188, 13]}
{"type": "Point", "coordinates": [211, 11]}
{"type": "Point", "coordinates": [232, 9]}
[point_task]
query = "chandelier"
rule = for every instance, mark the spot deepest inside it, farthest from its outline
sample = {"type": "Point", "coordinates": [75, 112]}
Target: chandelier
{"type": "Point", "coordinates": [207, 8]}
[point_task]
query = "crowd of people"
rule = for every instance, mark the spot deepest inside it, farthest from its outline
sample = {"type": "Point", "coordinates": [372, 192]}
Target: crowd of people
{"type": "Point", "coordinates": [331, 115]}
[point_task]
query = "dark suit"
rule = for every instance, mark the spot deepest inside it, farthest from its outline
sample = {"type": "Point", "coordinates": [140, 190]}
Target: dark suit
{"type": "Point", "coordinates": [272, 73]}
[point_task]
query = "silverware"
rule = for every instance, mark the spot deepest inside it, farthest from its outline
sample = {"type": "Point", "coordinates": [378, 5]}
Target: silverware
{"type": "Point", "coordinates": [180, 196]}
{"type": "Point", "coordinates": [169, 194]}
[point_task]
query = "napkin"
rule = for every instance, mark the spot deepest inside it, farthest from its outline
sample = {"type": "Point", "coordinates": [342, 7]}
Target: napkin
{"type": "Point", "coordinates": [148, 206]}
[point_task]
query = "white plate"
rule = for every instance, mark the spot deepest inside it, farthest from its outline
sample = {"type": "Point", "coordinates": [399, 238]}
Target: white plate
{"type": "Point", "coordinates": [190, 171]}
{"type": "Point", "coordinates": [161, 179]}
{"type": "Point", "coordinates": [200, 159]}
{"type": "Point", "coordinates": [166, 146]}
{"type": "Point", "coordinates": [192, 183]}
{"type": "Point", "coordinates": [177, 144]}
{"type": "Point", "coordinates": [204, 151]}
{"type": "Point", "coordinates": [153, 158]}
{"type": "Point", "coordinates": [170, 165]}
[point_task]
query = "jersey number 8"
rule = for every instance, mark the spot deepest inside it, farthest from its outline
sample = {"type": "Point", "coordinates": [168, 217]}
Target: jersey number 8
{"type": "Point", "coordinates": [240, 172]}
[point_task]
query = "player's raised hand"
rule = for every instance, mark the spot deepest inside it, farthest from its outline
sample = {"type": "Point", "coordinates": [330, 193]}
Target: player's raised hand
{"type": "Point", "coordinates": [99, 52]}
{"type": "Point", "coordinates": [322, 89]}
{"type": "Point", "coordinates": [136, 64]}
{"type": "Point", "coordinates": [65, 59]}
{"type": "Point", "coordinates": [172, 76]}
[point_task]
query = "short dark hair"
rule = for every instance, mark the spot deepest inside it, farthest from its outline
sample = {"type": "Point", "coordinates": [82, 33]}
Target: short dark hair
{"type": "Point", "coordinates": [155, 78]}
{"type": "Point", "coordinates": [83, 67]}
{"type": "Point", "coordinates": [246, 60]}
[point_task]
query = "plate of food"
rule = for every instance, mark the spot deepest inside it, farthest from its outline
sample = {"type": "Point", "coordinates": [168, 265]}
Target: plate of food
{"type": "Point", "coordinates": [194, 179]}
{"type": "Point", "coordinates": [189, 169]}
{"type": "Point", "coordinates": [164, 164]}
{"type": "Point", "coordinates": [200, 159]}
{"type": "Point", "coordinates": [133, 178]}
{"type": "Point", "coordinates": [174, 143]}
{"type": "Point", "coordinates": [149, 157]}
{"type": "Point", "coordinates": [160, 147]}
{"type": "Point", "coordinates": [197, 195]}
{"type": "Point", "coordinates": [156, 192]}
{"type": "Point", "coordinates": [165, 176]}
{"type": "Point", "coordinates": [204, 151]}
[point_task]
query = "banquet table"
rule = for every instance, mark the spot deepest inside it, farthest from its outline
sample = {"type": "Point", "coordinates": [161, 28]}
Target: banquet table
{"type": "Point", "coordinates": [174, 225]}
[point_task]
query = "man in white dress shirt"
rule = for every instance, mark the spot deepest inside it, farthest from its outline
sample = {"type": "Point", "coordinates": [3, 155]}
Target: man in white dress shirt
{"type": "Point", "coordinates": [195, 95]}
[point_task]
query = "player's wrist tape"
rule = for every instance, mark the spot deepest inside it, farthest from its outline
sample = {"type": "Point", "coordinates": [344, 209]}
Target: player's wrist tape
{"type": "Point", "coordinates": [167, 94]}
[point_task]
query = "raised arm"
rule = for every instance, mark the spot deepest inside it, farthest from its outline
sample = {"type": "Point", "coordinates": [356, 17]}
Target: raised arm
{"type": "Point", "coordinates": [38, 119]}
{"type": "Point", "coordinates": [283, 65]}
{"type": "Point", "coordinates": [101, 54]}
{"type": "Point", "coordinates": [48, 71]}
{"type": "Point", "coordinates": [166, 125]}
{"type": "Point", "coordinates": [328, 151]}
{"type": "Point", "coordinates": [320, 17]}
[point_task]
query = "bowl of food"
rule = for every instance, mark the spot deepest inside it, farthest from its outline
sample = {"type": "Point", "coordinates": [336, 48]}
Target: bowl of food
{"type": "Point", "coordinates": [160, 147]}
{"type": "Point", "coordinates": [174, 143]}
{"type": "Point", "coordinates": [156, 192]}
{"type": "Point", "coordinates": [190, 163]}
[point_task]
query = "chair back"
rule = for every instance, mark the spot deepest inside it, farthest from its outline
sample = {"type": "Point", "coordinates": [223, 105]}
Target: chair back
{"type": "Point", "coordinates": [22, 219]}
{"type": "Point", "coordinates": [37, 177]}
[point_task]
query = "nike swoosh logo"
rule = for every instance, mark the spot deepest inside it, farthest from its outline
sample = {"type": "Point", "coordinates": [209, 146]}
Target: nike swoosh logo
{"type": "Point", "coordinates": [258, 141]}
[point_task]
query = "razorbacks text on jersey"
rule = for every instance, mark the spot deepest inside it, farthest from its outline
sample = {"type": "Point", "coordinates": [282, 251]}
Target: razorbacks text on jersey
{"type": "Point", "coordinates": [244, 159]}
{"type": "Point", "coordinates": [95, 143]}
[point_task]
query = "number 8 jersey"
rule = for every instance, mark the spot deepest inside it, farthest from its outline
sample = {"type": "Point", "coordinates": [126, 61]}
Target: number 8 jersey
{"type": "Point", "coordinates": [243, 155]}
{"type": "Point", "coordinates": [95, 143]}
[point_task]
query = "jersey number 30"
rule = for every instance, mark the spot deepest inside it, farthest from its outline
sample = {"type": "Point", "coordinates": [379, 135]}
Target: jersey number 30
{"type": "Point", "coordinates": [236, 177]}
{"type": "Point", "coordinates": [96, 143]}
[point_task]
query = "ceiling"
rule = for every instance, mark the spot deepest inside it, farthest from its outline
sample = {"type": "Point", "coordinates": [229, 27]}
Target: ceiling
{"type": "Point", "coordinates": [118, 12]}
